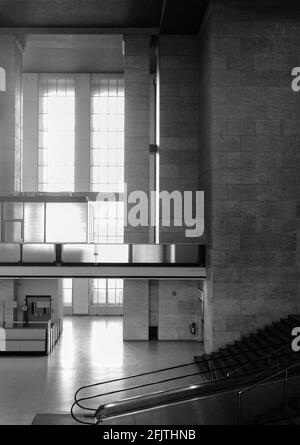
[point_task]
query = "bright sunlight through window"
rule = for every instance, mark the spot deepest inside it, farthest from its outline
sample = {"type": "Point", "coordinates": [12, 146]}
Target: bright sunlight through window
{"type": "Point", "coordinates": [56, 153]}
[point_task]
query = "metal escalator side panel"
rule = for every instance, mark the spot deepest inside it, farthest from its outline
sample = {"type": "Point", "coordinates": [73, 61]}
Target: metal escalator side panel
{"type": "Point", "coordinates": [146, 401]}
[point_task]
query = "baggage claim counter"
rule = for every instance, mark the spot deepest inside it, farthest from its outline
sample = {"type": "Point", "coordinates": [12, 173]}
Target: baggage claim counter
{"type": "Point", "coordinates": [33, 338]}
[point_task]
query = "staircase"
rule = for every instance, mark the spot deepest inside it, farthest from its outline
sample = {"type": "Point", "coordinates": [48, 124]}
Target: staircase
{"type": "Point", "coordinates": [284, 415]}
{"type": "Point", "coordinates": [266, 348]}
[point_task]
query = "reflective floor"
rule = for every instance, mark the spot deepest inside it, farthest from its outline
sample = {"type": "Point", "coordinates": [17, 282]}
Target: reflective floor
{"type": "Point", "coordinates": [90, 350]}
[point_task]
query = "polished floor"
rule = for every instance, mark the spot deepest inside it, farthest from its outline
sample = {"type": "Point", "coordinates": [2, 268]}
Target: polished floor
{"type": "Point", "coordinates": [90, 350]}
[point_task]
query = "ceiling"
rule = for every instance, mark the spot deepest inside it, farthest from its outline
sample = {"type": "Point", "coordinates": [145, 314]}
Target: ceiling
{"type": "Point", "coordinates": [67, 53]}
{"type": "Point", "coordinates": [180, 16]}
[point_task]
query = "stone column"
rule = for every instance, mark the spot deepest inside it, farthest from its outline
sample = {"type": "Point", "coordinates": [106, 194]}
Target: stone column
{"type": "Point", "coordinates": [11, 115]}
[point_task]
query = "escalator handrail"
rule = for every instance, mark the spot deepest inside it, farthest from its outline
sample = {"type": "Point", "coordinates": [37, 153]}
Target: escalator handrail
{"type": "Point", "coordinates": [166, 380]}
{"type": "Point", "coordinates": [77, 402]}
{"type": "Point", "coordinates": [181, 388]}
{"type": "Point", "coordinates": [176, 367]}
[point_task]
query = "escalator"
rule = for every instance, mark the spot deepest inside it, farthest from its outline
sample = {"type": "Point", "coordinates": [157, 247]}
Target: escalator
{"type": "Point", "coordinates": [180, 394]}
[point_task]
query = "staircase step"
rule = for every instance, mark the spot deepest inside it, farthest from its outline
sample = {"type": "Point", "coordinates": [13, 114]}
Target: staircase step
{"type": "Point", "coordinates": [270, 339]}
{"type": "Point", "coordinates": [281, 335]}
{"type": "Point", "coordinates": [295, 320]}
{"type": "Point", "coordinates": [261, 343]}
{"type": "Point", "coordinates": [236, 353]}
{"type": "Point", "coordinates": [278, 335]}
{"type": "Point", "coordinates": [249, 362]}
{"type": "Point", "coordinates": [283, 329]}
{"type": "Point", "coordinates": [202, 365]}
{"type": "Point", "coordinates": [255, 348]}
{"type": "Point", "coordinates": [251, 353]}
{"type": "Point", "coordinates": [288, 322]}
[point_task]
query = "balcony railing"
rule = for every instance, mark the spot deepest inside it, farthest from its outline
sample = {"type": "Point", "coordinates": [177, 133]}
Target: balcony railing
{"type": "Point", "coordinates": [185, 255]}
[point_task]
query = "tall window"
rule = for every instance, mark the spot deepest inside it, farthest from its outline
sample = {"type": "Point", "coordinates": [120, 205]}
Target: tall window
{"type": "Point", "coordinates": [107, 134]}
{"type": "Point", "coordinates": [67, 291]}
{"type": "Point", "coordinates": [107, 174]}
{"type": "Point", "coordinates": [108, 222]}
{"type": "Point", "coordinates": [56, 150]}
{"type": "Point", "coordinates": [107, 292]}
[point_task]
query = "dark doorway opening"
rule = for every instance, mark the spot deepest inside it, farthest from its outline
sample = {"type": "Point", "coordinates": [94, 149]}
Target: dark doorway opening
{"type": "Point", "coordinates": [153, 333]}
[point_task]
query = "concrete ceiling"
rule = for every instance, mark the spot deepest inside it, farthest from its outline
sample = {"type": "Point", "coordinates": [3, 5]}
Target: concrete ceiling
{"type": "Point", "coordinates": [181, 16]}
{"type": "Point", "coordinates": [67, 53]}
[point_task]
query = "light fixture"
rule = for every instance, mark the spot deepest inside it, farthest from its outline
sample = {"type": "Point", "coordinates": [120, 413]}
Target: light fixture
{"type": "Point", "coordinates": [2, 79]}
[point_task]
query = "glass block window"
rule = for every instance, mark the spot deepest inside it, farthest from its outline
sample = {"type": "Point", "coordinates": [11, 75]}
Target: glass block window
{"type": "Point", "coordinates": [107, 134]}
{"type": "Point", "coordinates": [107, 174]}
{"type": "Point", "coordinates": [56, 148]}
{"type": "Point", "coordinates": [107, 291]}
{"type": "Point", "coordinates": [67, 291]}
{"type": "Point", "coordinates": [108, 223]}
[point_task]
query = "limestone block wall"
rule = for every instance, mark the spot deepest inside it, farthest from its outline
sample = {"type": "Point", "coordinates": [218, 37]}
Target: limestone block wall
{"type": "Point", "coordinates": [178, 308]}
{"type": "Point", "coordinates": [137, 126]}
{"type": "Point", "coordinates": [10, 116]}
{"type": "Point", "coordinates": [179, 115]}
{"type": "Point", "coordinates": [136, 310]}
{"type": "Point", "coordinates": [7, 296]}
{"type": "Point", "coordinates": [253, 166]}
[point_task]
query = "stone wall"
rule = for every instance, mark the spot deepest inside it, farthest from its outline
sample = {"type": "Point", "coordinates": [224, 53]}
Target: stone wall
{"type": "Point", "coordinates": [179, 115]}
{"type": "Point", "coordinates": [137, 126]}
{"type": "Point", "coordinates": [10, 115]}
{"type": "Point", "coordinates": [7, 296]}
{"type": "Point", "coordinates": [253, 166]}
{"type": "Point", "coordinates": [136, 310]}
{"type": "Point", "coordinates": [178, 308]}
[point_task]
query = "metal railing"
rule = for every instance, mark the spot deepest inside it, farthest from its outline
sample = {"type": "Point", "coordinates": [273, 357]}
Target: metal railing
{"type": "Point", "coordinates": [78, 400]}
{"type": "Point", "coordinates": [284, 372]}
{"type": "Point", "coordinates": [64, 253]}
{"type": "Point", "coordinates": [268, 358]}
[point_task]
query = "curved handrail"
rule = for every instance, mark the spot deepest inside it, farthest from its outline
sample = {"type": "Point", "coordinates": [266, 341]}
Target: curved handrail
{"type": "Point", "coordinates": [284, 370]}
{"type": "Point", "coordinates": [77, 401]}
{"type": "Point", "coordinates": [93, 385]}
